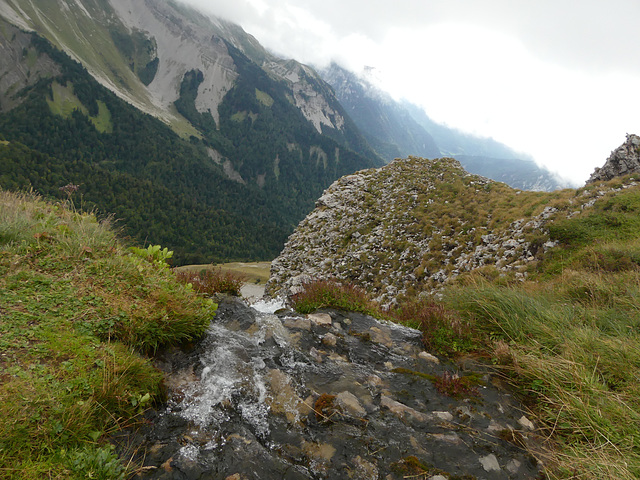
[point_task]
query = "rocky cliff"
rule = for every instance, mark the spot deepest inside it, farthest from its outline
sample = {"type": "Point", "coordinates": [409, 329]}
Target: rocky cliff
{"type": "Point", "coordinates": [624, 160]}
{"type": "Point", "coordinates": [416, 225]}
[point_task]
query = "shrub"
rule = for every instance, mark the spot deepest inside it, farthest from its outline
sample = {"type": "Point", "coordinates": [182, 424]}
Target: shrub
{"type": "Point", "coordinates": [329, 293]}
{"type": "Point", "coordinates": [214, 281]}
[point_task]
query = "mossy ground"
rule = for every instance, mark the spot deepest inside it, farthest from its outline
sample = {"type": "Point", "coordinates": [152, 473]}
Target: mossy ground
{"type": "Point", "coordinates": [77, 312]}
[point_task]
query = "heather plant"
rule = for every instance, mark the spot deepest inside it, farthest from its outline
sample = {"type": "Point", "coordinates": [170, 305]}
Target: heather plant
{"type": "Point", "coordinates": [210, 282]}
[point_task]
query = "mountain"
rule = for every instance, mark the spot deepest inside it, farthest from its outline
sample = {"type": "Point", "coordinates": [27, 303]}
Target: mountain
{"type": "Point", "coordinates": [386, 125]}
{"type": "Point", "coordinates": [624, 160]}
{"type": "Point", "coordinates": [415, 225]}
{"type": "Point", "coordinates": [181, 125]}
{"type": "Point", "coordinates": [399, 129]}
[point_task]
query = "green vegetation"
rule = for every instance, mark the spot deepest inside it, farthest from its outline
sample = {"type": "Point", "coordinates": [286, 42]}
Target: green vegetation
{"type": "Point", "coordinates": [77, 313]}
{"type": "Point", "coordinates": [138, 50]}
{"type": "Point", "coordinates": [254, 272]}
{"type": "Point", "coordinates": [328, 293]}
{"type": "Point", "coordinates": [569, 339]}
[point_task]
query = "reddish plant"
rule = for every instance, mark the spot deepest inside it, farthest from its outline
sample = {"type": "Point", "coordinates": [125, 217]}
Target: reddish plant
{"type": "Point", "coordinates": [452, 385]}
{"type": "Point", "coordinates": [213, 281]}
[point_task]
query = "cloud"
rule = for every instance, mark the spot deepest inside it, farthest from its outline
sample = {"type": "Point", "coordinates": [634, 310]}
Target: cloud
{"type": "Point", "coordinates": [586, 34]}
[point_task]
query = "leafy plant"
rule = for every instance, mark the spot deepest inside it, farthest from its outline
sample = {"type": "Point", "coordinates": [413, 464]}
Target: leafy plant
{"type": "Point", "coordinates": [96, 463]}
{"type": "Point", "coordinates": [154, 254]}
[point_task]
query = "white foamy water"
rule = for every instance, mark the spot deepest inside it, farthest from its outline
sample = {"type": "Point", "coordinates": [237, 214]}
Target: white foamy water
{"type": "Point", "coordinates": [233, 377]}
{"type": "Point", "coordinates": [269, 306]}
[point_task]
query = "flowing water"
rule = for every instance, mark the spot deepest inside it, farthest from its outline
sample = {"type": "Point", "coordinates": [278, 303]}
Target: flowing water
{"type": "Point", "coordinates": [338, 395]}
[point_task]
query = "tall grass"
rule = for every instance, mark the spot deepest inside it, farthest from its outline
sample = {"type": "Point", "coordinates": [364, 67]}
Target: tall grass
{"type": "Point", "coordinates": [77, 313]}
{"type": "Point", "coordinates": [580, 379]}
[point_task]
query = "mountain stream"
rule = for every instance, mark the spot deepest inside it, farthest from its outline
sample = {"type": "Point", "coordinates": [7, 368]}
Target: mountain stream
{"type": "Point", "coordinates": [334, 395]}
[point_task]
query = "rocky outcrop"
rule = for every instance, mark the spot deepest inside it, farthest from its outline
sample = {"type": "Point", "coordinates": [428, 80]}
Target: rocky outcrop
{"type": "Point", "coordinates": [333, 396]}
{"type": "Point", "coordinates": [624, 160]}
{"type": "Point", "coordinates": [415, 225]}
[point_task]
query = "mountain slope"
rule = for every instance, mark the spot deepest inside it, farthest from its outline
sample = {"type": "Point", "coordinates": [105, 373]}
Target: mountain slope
{"type": "Point", "coordinates": [234, 190]}
{"type": "Point", "coordinates": [416, 224]}
{"type": "Point", "coordinates": [387, 126]}
{"type": "Point", "coordinates": [487, 157]}
{"type": "Point", "coordinates": [142, 51]}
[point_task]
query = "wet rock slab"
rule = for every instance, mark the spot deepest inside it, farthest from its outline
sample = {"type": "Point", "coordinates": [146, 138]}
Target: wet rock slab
{"type": "Point", "coordinates": [335, 395]}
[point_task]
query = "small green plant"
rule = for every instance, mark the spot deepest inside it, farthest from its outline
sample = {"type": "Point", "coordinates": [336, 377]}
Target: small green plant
{"type": "Point", "coordinates": [411, 467]}
{"type": "Point", "coordinates": [96, 463]}
{"type": "Point", "coordinates": [153, 253]}
{"type": "Point", "coordinates": [453, 385]}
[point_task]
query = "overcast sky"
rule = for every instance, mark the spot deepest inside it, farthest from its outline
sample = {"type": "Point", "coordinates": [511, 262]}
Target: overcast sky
{"type": "Point", "coordinates": [557, 79]}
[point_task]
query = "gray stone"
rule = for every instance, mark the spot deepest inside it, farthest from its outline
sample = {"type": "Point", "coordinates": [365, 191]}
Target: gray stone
{"type": "Point", "coordinates": [490, 463]}
{"type": "Point", "coordinates": [400, 409]}
{"type": "Point", "coordinates": [297, 323]}
{"type": "Point", "coordinates": [526, 423]}
{"type": "Point", "coordinates": [329, 340]}
{"type": "Point", "coordinates": [427, 357]}
{"type": "Point", "coordinates": [321, 319]}
{"type": "Point", "coordinates": [350, 404]}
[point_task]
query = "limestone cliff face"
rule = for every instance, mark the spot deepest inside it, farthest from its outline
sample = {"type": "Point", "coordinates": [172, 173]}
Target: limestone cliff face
{"type": "Point", "coordinates": [22, 66]}
{"type": "Point", "coordinates": [624, 160]}
{"type": "Point", "coordinates": [415, 225]}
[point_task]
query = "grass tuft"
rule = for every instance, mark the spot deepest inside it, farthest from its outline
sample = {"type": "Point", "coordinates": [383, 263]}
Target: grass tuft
{"type": "Point", "coordinates": [443, 331]}
{"type": "Point", "coordinates": [329, 293]}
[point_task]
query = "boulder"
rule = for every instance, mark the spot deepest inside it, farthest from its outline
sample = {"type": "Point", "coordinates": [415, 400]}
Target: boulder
{"type": "Point", "coordinates": [624, 160]}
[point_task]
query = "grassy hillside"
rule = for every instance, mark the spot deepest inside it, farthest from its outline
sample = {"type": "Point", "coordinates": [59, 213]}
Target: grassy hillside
{"type": "Point", "coordinates": [78, 313]}
{"type": "Point", "coordinates": [569, 338]}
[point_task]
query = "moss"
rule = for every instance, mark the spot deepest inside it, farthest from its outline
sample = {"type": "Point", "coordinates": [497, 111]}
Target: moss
{"type": "Point", "coordinates": [325, 407]}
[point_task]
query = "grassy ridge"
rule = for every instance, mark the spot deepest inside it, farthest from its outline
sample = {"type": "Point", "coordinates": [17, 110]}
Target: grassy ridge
{"type": "Point", "coordinates": [75, 308]}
